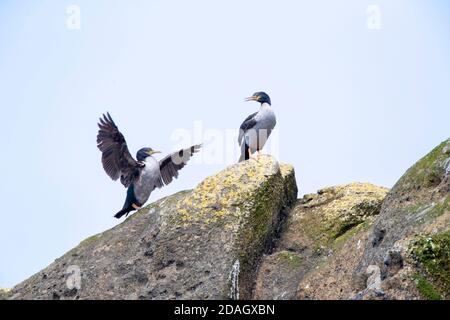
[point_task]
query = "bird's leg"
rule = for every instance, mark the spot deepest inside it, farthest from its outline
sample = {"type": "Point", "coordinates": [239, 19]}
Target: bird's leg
{"type": "Point", "coordinates": [135, 206]}
{"type": "Point", "coordinates": [257, 154]}
{"type": "Point", "coordinates": [250, 154]}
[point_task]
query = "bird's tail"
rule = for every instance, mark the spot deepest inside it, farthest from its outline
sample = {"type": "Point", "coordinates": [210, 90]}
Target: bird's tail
{"type": "Point", "coordinates": [119, 214]}
{"type": "Point", "coordinates": [245, 155]}
{"type": "Point", "coordinates": [128, 205]}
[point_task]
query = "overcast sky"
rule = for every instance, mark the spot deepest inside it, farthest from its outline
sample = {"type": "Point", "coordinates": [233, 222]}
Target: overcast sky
{"type": "Point", "coordinates": [360, 91]}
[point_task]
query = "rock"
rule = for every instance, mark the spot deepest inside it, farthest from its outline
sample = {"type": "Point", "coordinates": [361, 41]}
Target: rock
{"type": "Point", "coordinates": [201, 244]}
{"type": "Point", "coordinates": [374, 277]}
{"type": "Point", "coordinates": [321, 244]}
{"type": "Point", "coordinates": [410, 240]}
{"type": "Point", "coordinates": [5, 293]}
{"type": "Point", "coordinates": [243, 234]}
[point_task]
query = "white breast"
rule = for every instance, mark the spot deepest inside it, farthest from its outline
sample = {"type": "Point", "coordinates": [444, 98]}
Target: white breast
{"type": "Point", "coordinates": [266, 121]}
{"type": "Point", "coordinates": [265, 117]}
{"type": "Point", "coordinates": [146, 183]}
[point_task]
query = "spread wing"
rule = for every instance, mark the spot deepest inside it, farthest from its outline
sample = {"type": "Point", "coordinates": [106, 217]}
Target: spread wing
{"type": "Point", "coordinates": [116, 158]}
{"type": "Point", "coordinates": [248, 123]}
{"type": "Point", "coordinates": [171, 164]}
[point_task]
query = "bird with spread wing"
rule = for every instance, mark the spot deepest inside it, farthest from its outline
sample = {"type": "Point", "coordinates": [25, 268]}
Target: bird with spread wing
{"type": "Point", "coordinates": [140, 176]}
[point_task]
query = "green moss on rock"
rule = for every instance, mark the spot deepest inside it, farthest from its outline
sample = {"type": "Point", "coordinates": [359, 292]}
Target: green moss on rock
{"type": "Point", "coordinates": [341, 240]}
{"type": "Point", "coordinates": [291, 259]}
{"type": "Point", "coordinates": [425, 288]}
{"type": "Point", "coordinates": [428, 171]}
{"type": "Point", "coordinates": [433, 254]}
{"type": "Point", "coordinates": [261, 218]}
{"type": "Point", "coordinates": [89, 241]}
{"type": "Point", "coordinates": [440, 208]}
{"type": "Point", "coordinates": [257, 226]}
{"type": "Point", "coordinates": [241, 205]}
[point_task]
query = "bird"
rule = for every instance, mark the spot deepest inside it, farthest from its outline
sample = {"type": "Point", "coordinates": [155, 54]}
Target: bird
{"type": "Point", "coordinates": [257, 127]}
{"type": "Point", "coordinates": [140, 176]}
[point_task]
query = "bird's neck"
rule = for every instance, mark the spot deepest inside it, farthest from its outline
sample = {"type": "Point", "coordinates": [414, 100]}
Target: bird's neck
{"type": "Point", "coordinates": [149, 159]}
{"type": "Point", "coordinates": [265, 105]}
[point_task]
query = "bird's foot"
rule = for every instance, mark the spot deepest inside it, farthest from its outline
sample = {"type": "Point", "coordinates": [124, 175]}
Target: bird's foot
{"type": "Point", "coordinates": [257, 155]}
{"type": "Point", "coordinates": [135, 206]}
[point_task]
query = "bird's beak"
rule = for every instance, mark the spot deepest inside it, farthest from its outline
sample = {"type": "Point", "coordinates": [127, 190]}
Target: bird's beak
{"type": "Point", "coordinates": [252, 98]}
{"type": "Point", "coordinates": [153, 152]}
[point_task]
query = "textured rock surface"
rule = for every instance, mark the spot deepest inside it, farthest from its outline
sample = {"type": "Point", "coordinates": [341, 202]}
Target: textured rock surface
{"type": "Point", "coordinates": [243, 234]}
{"type": "Point", "coordinates": [410, 240]}
{"type": "Point", "coordinates": [199, 244]}
{"type": "Point", "coordinates": [323, 232]}
{"type": "Point", "coordinates": [4, 293]}
{"type": "Point", "coordinates": [348, 243]}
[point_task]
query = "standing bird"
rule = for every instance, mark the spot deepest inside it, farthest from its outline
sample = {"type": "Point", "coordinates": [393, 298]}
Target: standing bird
{"type": "Point", "coordinates": [256, 129]}
{"type": "Point", "coordinates": [141, 177]}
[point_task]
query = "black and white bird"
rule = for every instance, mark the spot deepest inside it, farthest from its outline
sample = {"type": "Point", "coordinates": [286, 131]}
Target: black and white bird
{"type": "Point", "coordinates": [141, 177]}
{"type": "Point", "coordinates": [256, 129]}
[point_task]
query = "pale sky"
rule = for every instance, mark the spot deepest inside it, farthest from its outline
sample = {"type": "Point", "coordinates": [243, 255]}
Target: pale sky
{"type": "Point", "coordinates": [356, 99]}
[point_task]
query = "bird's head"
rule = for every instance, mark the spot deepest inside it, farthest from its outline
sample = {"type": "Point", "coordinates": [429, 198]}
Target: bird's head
{"type": "Point", "coordinates": [144, 153]}
{"type": "Point", "coordinates": [261, 97]}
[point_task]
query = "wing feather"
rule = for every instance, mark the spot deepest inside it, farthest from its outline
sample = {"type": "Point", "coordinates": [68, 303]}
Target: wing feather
{"type": "Point", "coordinates": [171, 164]}
{"type": "Point", "coordinates": [248, 123]}
{"type": "Point", "coordinates": [116, 158]}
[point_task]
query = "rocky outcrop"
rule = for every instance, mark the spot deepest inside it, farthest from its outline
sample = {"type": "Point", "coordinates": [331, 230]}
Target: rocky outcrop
{"type": "Point", "coordinates": [409, 245]}
{"type": "Point", "coordinates": [243, 234]}
{"type": "Point", "coordinates": [321, 244]}
{"type": "Point", "coordinates": [199, 244]}
{"type": "Point", "coordinates": [352, 242]}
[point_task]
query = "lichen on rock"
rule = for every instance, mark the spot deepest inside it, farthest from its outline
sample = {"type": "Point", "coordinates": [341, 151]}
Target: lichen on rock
{"type": "Point", "coordinates": [414, 221]}
{"type": "Point", "coordinates": [243, 204]}
{"type": "Point", "coordinates": [243, 233]}
{"type": "Point", "coordinates": [334, 211]}
{"type": "Point", "coordinates": [184, 246]}
{"type": "Point", "coordinates": [5, 293]}
{"type": "Point", "coordinates": [318, 228]}
{"type": "Point", "coordinates": [429, 171]}
{"type": "Point", "coordinates": [233, 188]}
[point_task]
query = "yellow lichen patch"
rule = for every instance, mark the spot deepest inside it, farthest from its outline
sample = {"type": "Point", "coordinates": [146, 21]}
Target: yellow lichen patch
{"type": "Point", "coordinates": [224, 193]}
{"type": "Point", "coordinates": [4, 293]}
{"type": "Point", "coordinates": [286, 169]}
{"type": "Point", "coordinates": [341, 200]}
{"type": "Point", "coordinates": [335, 210]}
{"type": "Point", "coordinates": [348, 198]}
